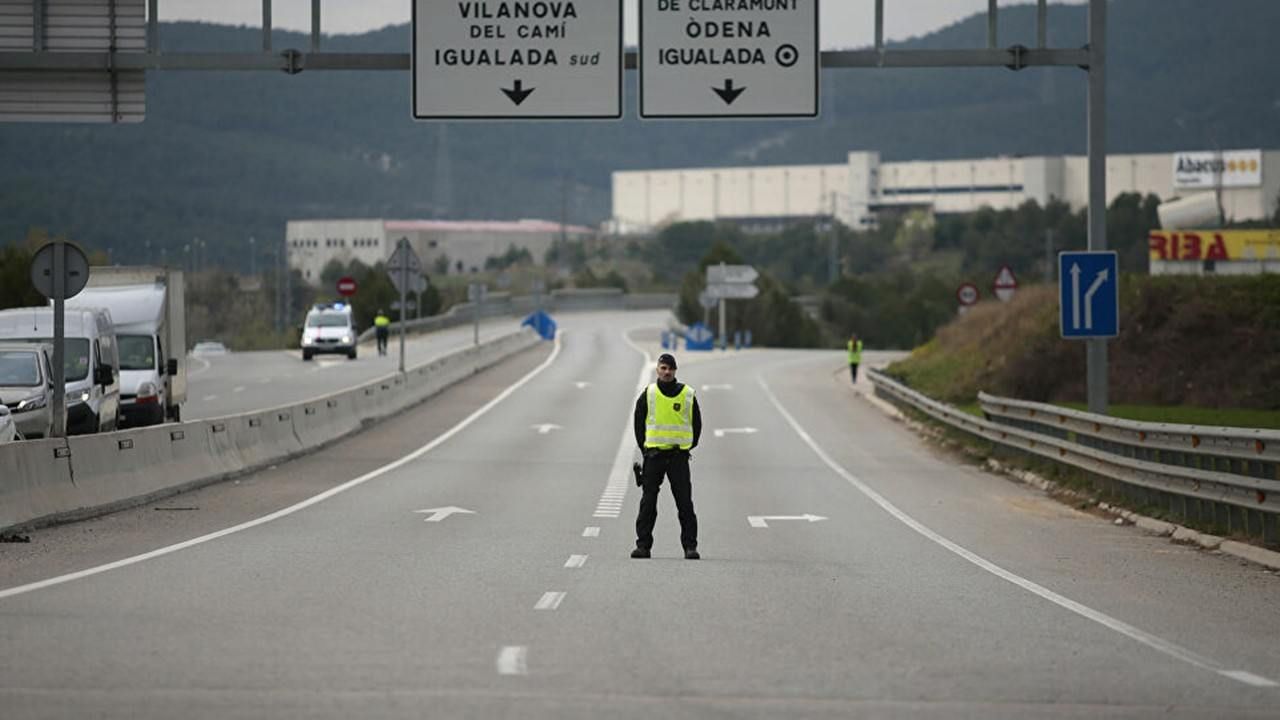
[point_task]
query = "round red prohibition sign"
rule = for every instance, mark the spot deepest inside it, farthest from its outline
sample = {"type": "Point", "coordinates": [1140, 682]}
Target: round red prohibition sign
{"type": "Point", "coordinates": [346, 286]}
{"type": "Point", "coordinates": [967, 294]}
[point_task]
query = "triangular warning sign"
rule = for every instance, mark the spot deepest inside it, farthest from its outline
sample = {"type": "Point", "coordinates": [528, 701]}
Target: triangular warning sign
{"type": "Point", "coordinates": [1005, 278]}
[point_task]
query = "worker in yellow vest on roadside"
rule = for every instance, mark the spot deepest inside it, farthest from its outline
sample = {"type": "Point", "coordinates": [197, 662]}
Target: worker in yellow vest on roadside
{"type": "Point", "coordinates": [668, 423]}
{"type": "Point", "coordinates": [382, 329]}
{"type": "Point", "coordinates": [855, 356]}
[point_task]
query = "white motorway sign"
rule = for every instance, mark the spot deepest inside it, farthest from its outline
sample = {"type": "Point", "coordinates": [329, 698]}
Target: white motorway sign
{"type": "Point", "coordinates": [729, 58]}
{"type": "Point", "coordinates": [532, 59]}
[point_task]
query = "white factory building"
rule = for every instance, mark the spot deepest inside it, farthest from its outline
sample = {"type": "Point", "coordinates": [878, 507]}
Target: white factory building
{"type": "Point", "coordinates": [768, 197]}
{"type": "Point", "coordinates": [454, 247]}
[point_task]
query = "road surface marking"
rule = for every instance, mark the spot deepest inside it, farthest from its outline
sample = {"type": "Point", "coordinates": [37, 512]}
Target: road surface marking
{"type": "Point", "coordinates": [591, 532]}
{"type": "Point", "coordinates": [355, 482]}
{"type": "Point", "coordinates": [203, 362]}
{"type": "Point", "coordinates": [721, 432]}
{"type": "Point", "coordinates": [761, 521]}
{"type": "Point", "coordinates": [620, 477]}
{"type": "Point", "coordinates": [1152, 641]}
{"type": "Point", "coordinates": [238, 389]}
{"type": "Point", "coordinates": [575, 561]}
{"type": "Point", "coordinates": [511, 660]}
{"type": "Point", "coordinates": [550, 601]}
{"type": "Point", "coordinates": [438, 514]}
{"type": "Point", "coordinates": [209, 398]}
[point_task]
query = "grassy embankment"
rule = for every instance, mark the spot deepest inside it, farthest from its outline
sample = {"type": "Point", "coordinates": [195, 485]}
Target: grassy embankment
{"type": "Point", "coordinates": [1191, 350]}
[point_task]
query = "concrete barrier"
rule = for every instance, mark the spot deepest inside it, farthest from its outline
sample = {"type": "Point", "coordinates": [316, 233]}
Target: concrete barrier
{"type": "Point", "coordinates": [48, 481]}
{"type": "Point", "coordinates": [35, 480]}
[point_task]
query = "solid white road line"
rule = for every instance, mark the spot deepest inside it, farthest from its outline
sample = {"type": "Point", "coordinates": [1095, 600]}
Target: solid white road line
{"type": "Point", "coordinates": [205, 366]}
{"type": "Point", "coordinates": [1146, 638]}
{"type": "Point", "coordinates": [549, 601]}
{"type": "Point", "coordinates": [356, 482]}
{"type": "Point", "coordinates": [591, 532]}
{"type": "Point", "coordinates": [575, 561]}
{"type": "Point", "coordinates": [512, 660]}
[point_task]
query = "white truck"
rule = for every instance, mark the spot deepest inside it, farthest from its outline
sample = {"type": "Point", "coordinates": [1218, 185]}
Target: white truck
{"type": "Point", "coordinates": [148, 309]}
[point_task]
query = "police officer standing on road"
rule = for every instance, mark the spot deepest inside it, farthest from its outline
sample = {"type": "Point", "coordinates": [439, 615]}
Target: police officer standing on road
{"type": "Point", "coordinates": [855, 356]}
{"type": "Point", "coordinates": [382, 328]}
{"type": "Point", "coordinates": [667, 425]}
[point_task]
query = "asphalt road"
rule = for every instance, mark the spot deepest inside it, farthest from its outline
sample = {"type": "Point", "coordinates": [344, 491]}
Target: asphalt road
{"type": "Point", "coordinates": [219, 385]}
{"type": "Point", "coordinates": [928, 589]}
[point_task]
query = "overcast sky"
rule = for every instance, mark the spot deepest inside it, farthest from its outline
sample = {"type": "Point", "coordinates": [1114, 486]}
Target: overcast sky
{"type": "Point", "coordinates": [844, 23]}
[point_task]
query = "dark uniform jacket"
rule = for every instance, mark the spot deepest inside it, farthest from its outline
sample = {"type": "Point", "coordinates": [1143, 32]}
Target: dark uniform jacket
{"type": "Point", "coordinates": [671, 390]}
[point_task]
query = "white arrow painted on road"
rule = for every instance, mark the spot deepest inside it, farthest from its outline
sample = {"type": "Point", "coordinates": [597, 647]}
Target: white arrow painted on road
{"type": "Point", "coordinates": [545, 428]}
{"type": "Point", "coordinates": [721, 432]}
{"type": "Point", "coordinates": [717, 387]}
{"type": "Point", "coordinates": [438, 514]}
{"type": "Point", "coordinates": [1088, 298]}
{"type": "Point", "coordinates": [759, 521]}
{"type": "Point", "coordinates": [582, 384]}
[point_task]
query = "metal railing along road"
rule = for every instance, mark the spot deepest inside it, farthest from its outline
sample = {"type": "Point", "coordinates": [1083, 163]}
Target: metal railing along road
{"type": "Point", "coordinates": [1227, 478]}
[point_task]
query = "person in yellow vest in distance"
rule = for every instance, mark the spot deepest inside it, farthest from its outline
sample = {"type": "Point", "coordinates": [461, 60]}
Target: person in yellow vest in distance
{"type": "Point", "coordinates": [668, 424]}
{"type": "Point", "coordinates": [855, 356]}
{"type": "Point", "coordinates": [382, 328]}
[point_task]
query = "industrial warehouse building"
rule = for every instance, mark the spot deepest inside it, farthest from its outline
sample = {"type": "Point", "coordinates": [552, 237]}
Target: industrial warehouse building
{"type": "Point", "coordinates": [444, 246]}
{"type": "Point", "coordinates": [768, 198]}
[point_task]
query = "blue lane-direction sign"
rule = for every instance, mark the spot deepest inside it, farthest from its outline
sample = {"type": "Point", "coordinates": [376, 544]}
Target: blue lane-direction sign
{"type": "Point", "coordinates": [699, 337]}
{"type": "Point", "coordinates": [1089, 294]}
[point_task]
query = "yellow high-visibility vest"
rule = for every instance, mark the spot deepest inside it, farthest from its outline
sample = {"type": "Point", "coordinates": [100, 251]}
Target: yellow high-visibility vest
{"type": "Point", "coordinates": [669, 423]}
{"type": "Point", "coordinates": [855, 353]}
{"type": "Point", "coordinates": [382, 321]}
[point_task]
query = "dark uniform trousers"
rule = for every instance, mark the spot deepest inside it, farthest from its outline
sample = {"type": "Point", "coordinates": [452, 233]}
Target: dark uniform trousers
{"type": "Point", "coordinates": [674, 464]}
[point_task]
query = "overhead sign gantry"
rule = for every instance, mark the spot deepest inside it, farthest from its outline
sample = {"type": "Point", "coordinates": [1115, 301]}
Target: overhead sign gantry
{"type": "Point", "coordinates": [543, 59]}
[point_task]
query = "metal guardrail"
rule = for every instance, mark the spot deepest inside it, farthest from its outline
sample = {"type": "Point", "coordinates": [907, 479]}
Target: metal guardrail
{"type": "Point", "coordinates": [1225, 477]}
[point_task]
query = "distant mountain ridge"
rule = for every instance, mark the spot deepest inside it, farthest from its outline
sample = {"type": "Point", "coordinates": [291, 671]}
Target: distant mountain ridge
{"type": "Point", "coordinates": [229, 155]}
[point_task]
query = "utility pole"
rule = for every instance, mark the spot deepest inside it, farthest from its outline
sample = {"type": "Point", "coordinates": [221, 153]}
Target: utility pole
{"type": "Point", "coordinates": [253, 257]}
{"type": "Point", "coordinates": [1096, 352]}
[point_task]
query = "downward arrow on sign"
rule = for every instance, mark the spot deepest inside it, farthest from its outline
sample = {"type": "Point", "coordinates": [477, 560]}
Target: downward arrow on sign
{"type": "Point", "coordinates": [518, 94]}
{"type": "Point", "coordinates": [728, 93]}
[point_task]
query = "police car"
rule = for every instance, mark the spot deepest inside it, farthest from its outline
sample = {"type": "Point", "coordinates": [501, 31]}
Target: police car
{"type": "Point", "coordinates": [329, 329]}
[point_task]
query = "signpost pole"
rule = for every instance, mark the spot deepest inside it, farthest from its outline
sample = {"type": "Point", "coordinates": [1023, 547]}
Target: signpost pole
{"type": "Point", "coordinates": [722, 328]}
{"type": "Point", "coordinates": [1096, 348]}
{"type": "Point", "coordinates": [59, 345]}
{"type": "Point", "coordinates": [404, 286]}
{"type": "Point", "coordinates": [476, 314]}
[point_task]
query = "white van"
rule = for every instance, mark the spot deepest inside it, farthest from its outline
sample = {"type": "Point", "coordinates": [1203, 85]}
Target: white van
{"type": "Point", "coordinates": [91, 361]}
{"type": "Point", "coordinates": [329, 329]}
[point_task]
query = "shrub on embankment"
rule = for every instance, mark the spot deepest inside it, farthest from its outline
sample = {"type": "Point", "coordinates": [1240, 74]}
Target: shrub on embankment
{"type": "Point", "coordinates": [1210, 342]}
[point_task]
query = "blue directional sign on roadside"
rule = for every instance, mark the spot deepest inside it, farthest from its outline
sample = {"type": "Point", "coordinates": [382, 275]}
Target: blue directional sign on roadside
{"type": "Point", "coordinates": [699, 337]}
{"type": "Point", "coordinates": [1089, 294]}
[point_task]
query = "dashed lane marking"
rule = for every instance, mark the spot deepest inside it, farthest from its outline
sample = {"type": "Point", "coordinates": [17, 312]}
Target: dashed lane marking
{"type": "Point", "coordinates": [591, 532]}
{"type": "Point", "coordinates": [575, 561]}
{"type": "Point", "coordinates": [550, 600]}
{"type": "Point", "coordinates": [512, 660]}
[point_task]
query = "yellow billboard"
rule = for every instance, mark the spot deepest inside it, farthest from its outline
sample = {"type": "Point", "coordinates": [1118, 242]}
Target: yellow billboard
{"type": "Point", "coordinates": [1224, 245]}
